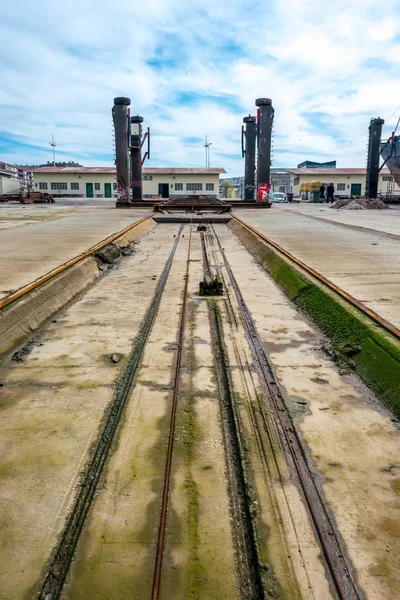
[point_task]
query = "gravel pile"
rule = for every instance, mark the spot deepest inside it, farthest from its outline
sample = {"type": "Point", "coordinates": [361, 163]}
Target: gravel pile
{"type": "Point", "coordinates": [359, 204]}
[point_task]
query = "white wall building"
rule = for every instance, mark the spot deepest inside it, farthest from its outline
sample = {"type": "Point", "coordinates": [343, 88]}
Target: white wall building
{"type": "Point", "coordinates": [347, 182]}
{"type": "Point", "coordinates": [14, 179]}
{"type": "Point", "coordinates": [100, 182]}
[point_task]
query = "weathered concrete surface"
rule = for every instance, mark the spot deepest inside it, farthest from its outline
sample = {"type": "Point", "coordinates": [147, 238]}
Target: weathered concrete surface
{"type": "Point", "coordinates": [199, 560]}
{"type": "Point", "coordinates": [21, 215]}
{"type": "Point", "coordinates": [353, 441]}
{"type": "Point", "coordinates": [51, 406]}
{"type": "Point", "coordinates": [385, 221]}
{"type": "Point", "coordinates": [365, 264]}
{"type": "Point", "coordinates": [286, 539]}
{"type": "Point", "coordinates": [25, 315]}
{"type": "Point", "coordinates": [27, 252]}
{"type": "Point", "coordinates": [116, 553]}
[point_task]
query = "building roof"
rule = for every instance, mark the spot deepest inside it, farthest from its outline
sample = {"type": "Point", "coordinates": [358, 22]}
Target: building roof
{"type": "Point", "coordinates": [146, 170]}
{"type": "Point", "coordinates": [328, 171]}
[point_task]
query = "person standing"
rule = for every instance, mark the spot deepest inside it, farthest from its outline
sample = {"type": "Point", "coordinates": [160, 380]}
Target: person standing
{"type": "Point", "coordinates": [322, 192]}
{"type": "Point", "coordinates": [329, 192]}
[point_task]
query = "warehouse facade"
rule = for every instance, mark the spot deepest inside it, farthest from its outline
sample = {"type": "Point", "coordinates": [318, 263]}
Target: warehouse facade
{"type": "Point", "coordinates": [347, 182]}
{"type": "Point", "coordinates": [101, 182]}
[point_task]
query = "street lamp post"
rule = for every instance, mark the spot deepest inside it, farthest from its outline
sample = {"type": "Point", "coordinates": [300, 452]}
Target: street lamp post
{"type": "Point", "coordinates": [53, 145]}
{"type": "Point", "coordinates": [207, 147]}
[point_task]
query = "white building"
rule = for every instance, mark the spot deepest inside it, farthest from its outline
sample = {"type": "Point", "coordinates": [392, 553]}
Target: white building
{"type": "Point", "coordinates": [100, 182]}
{"type": "Point", "coordinates": [14, 179]}
{"type": "Point", "coordinates": [347, 182]}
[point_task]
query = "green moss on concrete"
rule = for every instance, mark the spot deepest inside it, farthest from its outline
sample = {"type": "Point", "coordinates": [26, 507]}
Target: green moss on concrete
{"type": "Point", "coordinates": [374, 353]}
{"type": "Point", "coordinates": [196, 570]}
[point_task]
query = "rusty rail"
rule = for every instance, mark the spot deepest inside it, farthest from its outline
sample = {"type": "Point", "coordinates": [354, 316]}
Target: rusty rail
{"type": "Point", "coordinates": [37, 282]}
{"type": "Point", "coordinates": [335, 557]}
{"type": "Point", "coordinates": [164, 506]}
{"type": "Point", "coordinates": [372, 314]}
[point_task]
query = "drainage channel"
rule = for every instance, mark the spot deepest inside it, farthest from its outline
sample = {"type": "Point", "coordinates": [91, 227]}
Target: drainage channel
{"type": "Point", "coordinates": [334, 555]}
{"type": "Point", "coordinates": [61, 560]}
{"type": "Point", "coordinates": [247, 558]}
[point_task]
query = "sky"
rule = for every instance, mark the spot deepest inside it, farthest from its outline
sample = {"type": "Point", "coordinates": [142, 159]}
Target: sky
{"type": "Point", "coordinates": [194, 68]}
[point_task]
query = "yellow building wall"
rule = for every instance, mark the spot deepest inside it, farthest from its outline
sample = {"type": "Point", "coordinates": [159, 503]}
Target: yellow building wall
{"type": "Point", "coordinates": [150, 187]}
{"type": "Point", "coordinates": [69, 178]}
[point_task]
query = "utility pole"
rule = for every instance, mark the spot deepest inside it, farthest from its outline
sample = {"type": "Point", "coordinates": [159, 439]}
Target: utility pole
{"type": "Point", "coordinates": [53, 145]}
{"type": "Point", "coordinates": [207, 147]}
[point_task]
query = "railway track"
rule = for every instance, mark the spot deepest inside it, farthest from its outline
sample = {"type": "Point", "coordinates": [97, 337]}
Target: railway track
{"type": "Point", "coordinates": [334, 555]}
{"type": "Point", "coordinates": [164, 505]}
{"type": "Point", "coordinates": [62, 557]}
{"type": "Point", "coordinates": [54, 580]}
{"type": "Point", "coordinates": [336, 562]}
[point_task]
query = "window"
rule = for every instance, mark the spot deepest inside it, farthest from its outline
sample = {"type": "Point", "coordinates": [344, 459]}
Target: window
{"type": "Point", "coordinates": [114, 186]}
{"type": "Point", "coordinates": [387, 178]}
{"type": "Point", "coordinates": [74, 186]}
{"type": "Point", "coordinates": [194, 187]}
{"type": "Point", "coordinates": [148, 177]}
{"type": "Point", "coordinates": [296, 181]}
{"type": "Point", "coordinates": [97, 187]}
{"type": "Point", "coordinates": [179, 186]}
{"type": "Point", "coordinates": [282, 189]}
{"type": "Point", "coordinates": [59, 186]}
{"type": "Point", "coordinates": [341, 187]}
{"type": "Point", "coordinates": [209, 187]}
{"type": "Point", "coordinates": [43, 185]}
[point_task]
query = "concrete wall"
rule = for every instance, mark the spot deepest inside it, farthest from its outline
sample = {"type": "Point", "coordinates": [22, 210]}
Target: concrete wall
{"type": "Point", "coordinates": [336, 179]}
{"type": "Point", "coordinates": [150, 187]}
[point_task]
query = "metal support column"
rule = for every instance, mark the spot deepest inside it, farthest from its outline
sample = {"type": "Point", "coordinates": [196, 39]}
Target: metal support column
{"type": "Point", "coordinates": [136, 157]}
{"type": "Point", "coordinates": [121, 118]}
{"type": "Point", "coordinates": [249, 152]}
{"type": "Point", "coordinates": [265, 121]}
{"type": "Point", "coordinates": [374, 144]}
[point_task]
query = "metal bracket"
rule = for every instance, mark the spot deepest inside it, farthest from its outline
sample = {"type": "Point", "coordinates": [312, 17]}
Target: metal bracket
{"type": "Point", "coordinates": [146, 136]}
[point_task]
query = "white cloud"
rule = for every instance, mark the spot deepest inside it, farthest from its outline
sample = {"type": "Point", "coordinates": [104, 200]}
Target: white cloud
{"type": "Point", "coordinates": [328, 68]}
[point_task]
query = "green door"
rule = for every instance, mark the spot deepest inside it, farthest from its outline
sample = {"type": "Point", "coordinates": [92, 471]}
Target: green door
{"type": "Point", "coordinates": [163, 190]}
{"type": "Point", "coordinates": [107, 190]}
{"type": "Point", "coordinates": [89, 190]}
{"type": "Point", "coordinates": [355, 189]}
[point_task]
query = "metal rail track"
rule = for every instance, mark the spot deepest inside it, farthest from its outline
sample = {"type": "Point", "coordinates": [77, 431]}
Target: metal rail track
{"type": "Point", "coordinates": [248, 563]}
{"type": "Point", "coordinates": [62, 557]}
{"type": "Point", "coordinates": [249, 573]}
{"type": "Point", "coordinates": [333, 552]}
{"type": "Point", "coordinates": [165, 497]}
{"type": "Point", "coordinates": [372, 314]}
